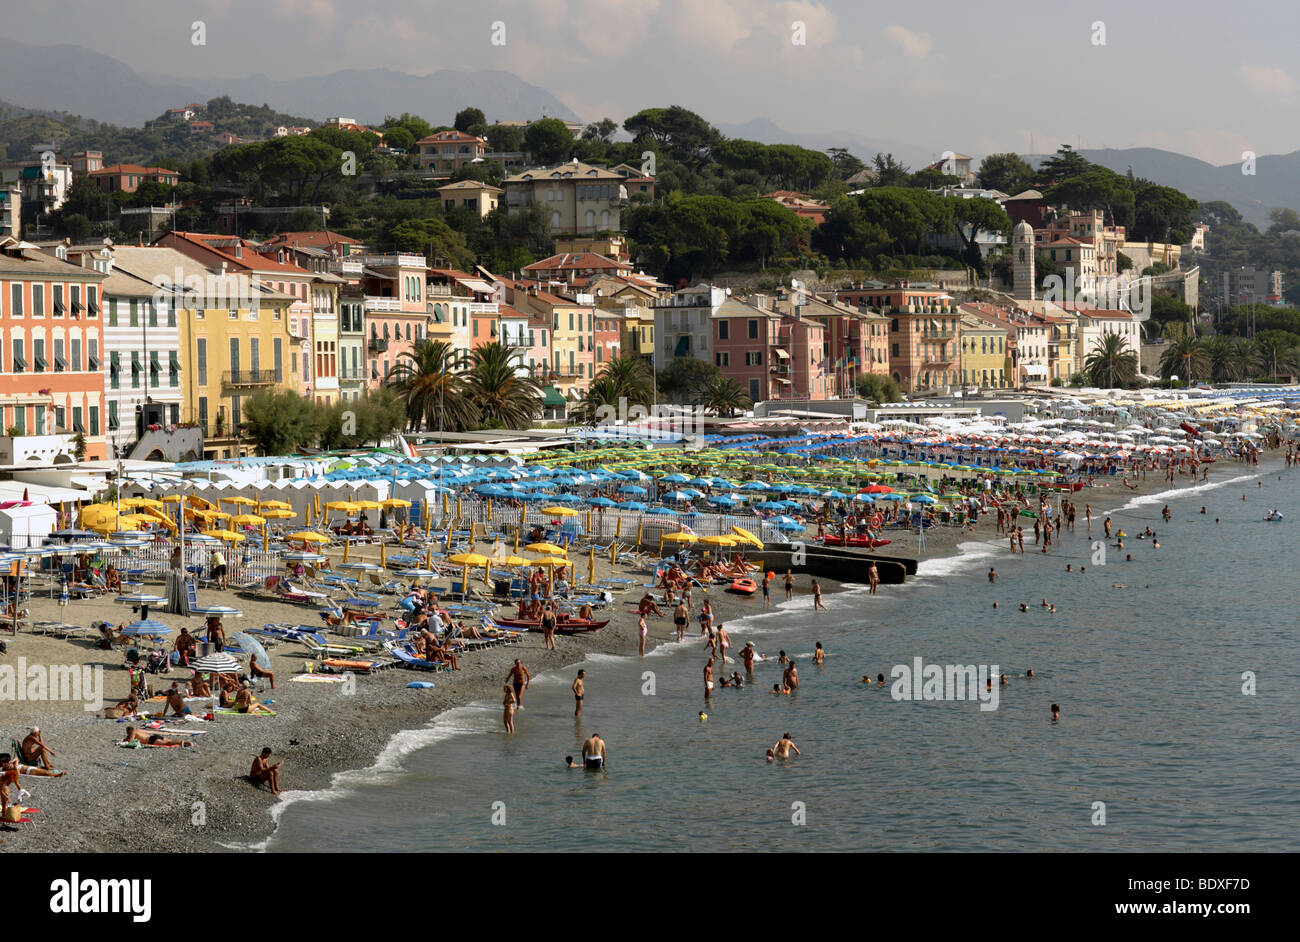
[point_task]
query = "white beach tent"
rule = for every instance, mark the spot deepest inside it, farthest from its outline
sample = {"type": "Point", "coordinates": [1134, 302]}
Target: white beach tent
{"type": "Point", "coordinates": [24, 526]}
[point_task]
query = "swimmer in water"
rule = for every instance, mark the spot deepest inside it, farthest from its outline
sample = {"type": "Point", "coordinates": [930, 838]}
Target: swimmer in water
{"type": "Point", "coordinates": [783, 747]}
{"type": "Point", "coordinates": [1024, 607]}
{"type": "Point", "coordinates": [1030, 672]}
{"type": "Point", "coordinates": [993, 574]}
{"type": "Point", "coordinates": [995, 604]}
{"type": "Point", "coordinates": [880, 679]}
{"type": "Point", "coordinates": [1056, 711]}
{"type": "Point", "coordinates": [1069, 567]}
{"type": "Point", "coordinates": [1128, 557]}
{"type": "Point", "coordinates": [1004, 681]}
{"type": "Point", "coordinates": [1051, 609]}
{"type": "Point", "coordinates": [1202, 510]}
{"type": "Point", "coordinates": [819, 655]}
{"type": "Point", "coordinates": [771, 756]}
{"type": "Point", "coordinates": [1155, 544]}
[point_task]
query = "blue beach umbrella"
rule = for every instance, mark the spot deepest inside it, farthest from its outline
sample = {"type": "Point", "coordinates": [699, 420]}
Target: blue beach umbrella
{"type": "Point", "coordinates": [631, 505]}
{"type": "Point", "coordinates": [662, 512]}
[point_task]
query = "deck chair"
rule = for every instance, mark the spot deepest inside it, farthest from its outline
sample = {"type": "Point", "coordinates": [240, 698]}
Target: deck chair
{"type": "Point", "coordinates": [317, 645]}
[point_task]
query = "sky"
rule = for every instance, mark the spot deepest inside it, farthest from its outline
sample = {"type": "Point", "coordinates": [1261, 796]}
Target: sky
{"type": "Point", "coordinates": [1206, 79]}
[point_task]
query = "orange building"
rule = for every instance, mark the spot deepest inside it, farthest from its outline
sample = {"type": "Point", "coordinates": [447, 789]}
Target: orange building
{"type": "Point", "coordinates": [51, 371]}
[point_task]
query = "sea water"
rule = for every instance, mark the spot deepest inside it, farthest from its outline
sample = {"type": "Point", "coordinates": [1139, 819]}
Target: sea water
{"type": "Point", "coordinates": [1160, 744]}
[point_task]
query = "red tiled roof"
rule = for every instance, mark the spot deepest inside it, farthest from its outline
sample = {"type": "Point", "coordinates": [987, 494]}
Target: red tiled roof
{"type": "Point", "coordinates": [575, 261]}
{"type": "Point", "coordinates": [445, 137]}
{"type": "Point", "coordinates": [116, 169]}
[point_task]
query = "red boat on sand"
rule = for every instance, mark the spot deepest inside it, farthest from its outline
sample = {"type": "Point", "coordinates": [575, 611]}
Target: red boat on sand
{"type": "Point", "coordinates": [859, 541]}
{"type": "Point", "coordinates": [563, 626]}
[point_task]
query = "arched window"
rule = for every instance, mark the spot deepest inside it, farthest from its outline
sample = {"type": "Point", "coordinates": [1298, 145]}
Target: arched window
{"type": "Point", "coordinates": [590, 219]}
{"type": "Point", "coordinates": [604, 219]}
{"type": "Point", "coordinates": [555, 219]}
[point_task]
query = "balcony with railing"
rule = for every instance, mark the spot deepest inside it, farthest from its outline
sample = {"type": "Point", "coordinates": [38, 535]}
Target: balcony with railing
{"type": "Point", "coordinates": [346, 266]}
{"type": "Point", "coordinates": [483, 307]}
{"type": "Point", "coordinates": [377, 344]}
{"type": "Point", "coordinates": [244, 379]}
{"type": "Point", "coordinates": [394, 260]}
{"type": "Point", "coordinates": [375, 303]}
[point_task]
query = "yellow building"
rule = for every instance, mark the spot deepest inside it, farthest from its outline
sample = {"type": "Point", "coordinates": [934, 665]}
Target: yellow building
{"type": "Point", "coordinates": [236, 340]}
{"type": "Point", "coordinates": [983, 354]}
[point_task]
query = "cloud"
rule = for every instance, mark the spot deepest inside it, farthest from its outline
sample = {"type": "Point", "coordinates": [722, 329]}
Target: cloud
{"type": "Point", "coordinates": [1265, 78]}
{"type": "Point", "coordinates": [914, 45]}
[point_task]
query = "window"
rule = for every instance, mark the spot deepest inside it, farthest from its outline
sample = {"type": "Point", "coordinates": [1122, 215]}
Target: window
{"type": "Point", "coordinates": [60, 363]}
{"type": "Point", "coordinates": [893, 349]}
{"type": "Point", "coordinates": [59, 307]}
{"type": "Point", "coordinates": [38, 355]}
{"type": "Point", "coordinates": [135, 313]}
{"type": "Point", "coordinates": [38, 300]}
{"type": "Point", "coordinates": [112, 415]}
{"type": "Point", "coordinates": [16, 304]}
{"type": "Point", "coordinates": [20, 419]}
{"type": "Point", "coordinates": [19, 363]}
{"type": "Point", "coordinates": [753, 329]}
{"type": "Point", "coordinates": [60, 418]}
{"type": "Point", "coordinates": [92, 351]}
{"type": "Point", "coordinates": [203, 411]}
{"type": "Point", "coordinates": [254, 355]}
{"type": "Point", "coordinates": [153, 312]}
{"type": "Point", "coordinates": [74, 362]}
{"type": "Point", "coordinates": [754, 358]}
{"type": "Point", "coordinates": [277, 354]}
{"type": "Point", "coordinates": [201, 350]}
{"type": "Point", "coordinates": [724, 330]}
{"type": "Point", "coordinates": [135, 369]}
{"type": "Point", "coordinates": [722, 359]}
{"type": "Point", "coordinates": [112, 312]}
{"type": "Point", "coordinates": [155, 368]}
{"type": "Point", "coordinates": [94, 420]}
{"type": "Point", "coordinates": [114, 369]}
{"type": "Point", "coordinates": [92, 300]}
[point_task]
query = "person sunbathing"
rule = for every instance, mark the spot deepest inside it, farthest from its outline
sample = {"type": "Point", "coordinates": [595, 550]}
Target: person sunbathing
{"type": "Point", "coordinates": [264, 772]}
{"type": "Point", "coordinates": [257, 670]}
{"type": "Point", "coordinates": [585, 613]}
{"type": "Point", "coordinates": [443, 654]}
{"type": "Point", "coordinates": [152, 739]}
{"type": "Point", "coordinates": [12, 768]}
{"type": "Point", "coordinates": [175, 702]}
{"type": "Point", "coordinates": [200, 687]}
{"type": "Point", "coordinates": [112, 580]}
{"type": "Point", "coordinates": [245, 702]}
{"type": "Point", "coordinates": [647, 605]}
{"type": "Point", "coordinates": [33, 750]}
{"type": "Point", "coordinates": [131, 704]}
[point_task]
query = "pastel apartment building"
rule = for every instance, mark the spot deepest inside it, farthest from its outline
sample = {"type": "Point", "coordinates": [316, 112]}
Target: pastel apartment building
{"type": "Point", "coordinates": [51, 379]}
{"type": "Point", "coordinates": [126, 178]}
{"type": "Point", "coordinates": [447, 151]}
{"type": "Point", "coordinates": [575, 197]}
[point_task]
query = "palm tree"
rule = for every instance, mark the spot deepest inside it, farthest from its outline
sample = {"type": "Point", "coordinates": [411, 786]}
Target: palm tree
{"type": "Point", "coordinates": [1220, 358]}
{"type": "Point", "coordinates": [503, 397]}
{"type": "Point", "coordinates": [1247, 360]}
{"type": "Point", "coordinates": [725, 397]}
{"type": "Point", "coordinates": [434, 394]}
{"type": "Point", "coordinates": [1183, 356]}
{"type": "Point", "coordinates": [631, 377]}
{"type": "Point", "coordinates": [1110, 363]}
{"type": "Point", "coordinates": [601, 396]}
{"type": "Point", "coordinates": [1277, 357]}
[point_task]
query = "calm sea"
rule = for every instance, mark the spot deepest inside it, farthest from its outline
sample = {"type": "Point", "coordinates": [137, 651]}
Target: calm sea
{"type": "Point", "coordinates": [1145, 659]}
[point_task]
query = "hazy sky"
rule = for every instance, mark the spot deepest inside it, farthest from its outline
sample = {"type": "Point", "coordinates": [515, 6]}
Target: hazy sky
{"type": "Point", "coordinates": [1206, 79]}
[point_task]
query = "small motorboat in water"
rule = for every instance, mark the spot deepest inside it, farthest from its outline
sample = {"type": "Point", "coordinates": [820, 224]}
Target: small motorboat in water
{"type": "Point", "coordinates": [1273, 516]}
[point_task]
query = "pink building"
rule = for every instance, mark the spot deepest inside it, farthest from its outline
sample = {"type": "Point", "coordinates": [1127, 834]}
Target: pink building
{"type": "Point", "coordinates": [770, 354]}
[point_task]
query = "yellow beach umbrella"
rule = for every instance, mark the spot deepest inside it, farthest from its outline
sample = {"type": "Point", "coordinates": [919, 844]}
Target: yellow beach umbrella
{"type": "Point", "coordinates": [142, 502]}
{"type": "Point", "coordinates": [560, 511]}
{"type": "Point", "coordinates": [746, 537]}
{"type": "Point", "coordinates": [347, 506]}
{"type": "Point", "coordinates": [247, 520]}
{"type": "Point", "coordinates": [469, 559]}
{"type": "Point", "coordinates": [229, 536]}
{"type": "Point", "coordinates": [514, 561]}
{"type": "Point", "coordinates": [680, 537]}
{"type": "Point", "coordinates": [719, 540]}
{"type": "Point", "coordinates": [369, 504]}
{"type": "Point", "coordinates": [551, 561]}
{"type": "Point", "coordinates": [238, 501]}
{"type": "Point", "coordinates": [395, 502]}
{"type": "Point", "coordinates": [308, 536]}
{"type": "Point", "coordinates": [275, 505]}
{"type": "Point", "coordinates": [546, 548]}
{"type": "Point", "coordinates": [279, 514]}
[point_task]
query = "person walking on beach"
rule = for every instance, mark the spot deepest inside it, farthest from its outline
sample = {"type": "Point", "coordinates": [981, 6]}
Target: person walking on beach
{"type": "Point", "coordinates": [873, 577]}
{"type": "Point", "coordinates": [641, 632]}
{"type": "Point", "coordinates": [1012, 540]}
{"type": "Point", "coordinates": [817, 596]}
{"type": "Point", "coordinates": [1087, 515]}
{"type": "Point", "coordinates": [767, 587]}
{"type": "Point", "coordinates": [680, 616]}
{"type": "Point", "coordinates": [723, 642]}
{"type": "Point", "coordinates": [706, 619]}
{"type": "Point", "coordinates": [508, 708]}
{"type": "Point", "coordinates": [519, 680]}
{"type": "Point", "coordinates": [789, 585]}
{"type": "Point", "coordinates": [708, 679]}
{"type": "Point", "coordinates": [548, 627]}
{"type": "Point", "coordinates": [579, 689]}
{"type": "Point", "coordinates": [1020, 539]}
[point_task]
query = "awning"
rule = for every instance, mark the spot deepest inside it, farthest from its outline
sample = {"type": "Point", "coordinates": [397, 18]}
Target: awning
{"type": "Point", "coordinates": [781, 379]}
{"type": "Point", "coordinates": [683, 345]}
{"type": "Point", "coordinates": [781, 353]}
{"type": "Point", "coordinates": [482, 287]}
{"type": "Point", "coordinates": [551, 397]}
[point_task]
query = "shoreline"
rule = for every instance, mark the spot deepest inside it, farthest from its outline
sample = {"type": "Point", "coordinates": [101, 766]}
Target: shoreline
{"type": "Point", "coordinates": [144, 799]}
